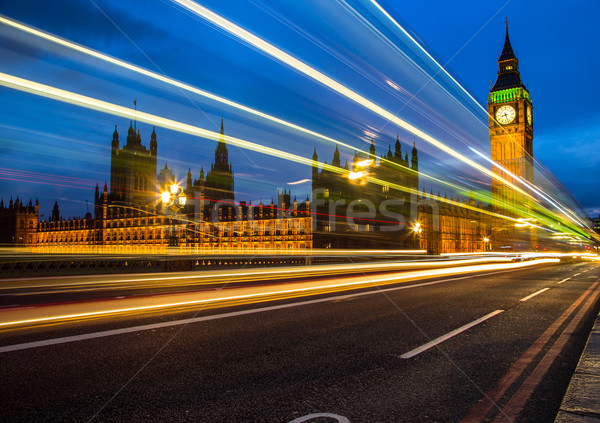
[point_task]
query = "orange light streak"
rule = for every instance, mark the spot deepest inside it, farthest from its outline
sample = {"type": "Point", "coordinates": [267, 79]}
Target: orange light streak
{"type": "Point", "coordinates": [228, 297]}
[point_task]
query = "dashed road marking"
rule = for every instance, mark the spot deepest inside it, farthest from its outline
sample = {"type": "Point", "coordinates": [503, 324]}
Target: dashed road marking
{"type": "Point", "coordinates": [449, 335]}
{"type": "Point", "coordinates": [340, 419]}
{"type": "Point", "coordinates": [564, 280]}
{"type": "Point", "coordinates": [534, 294]}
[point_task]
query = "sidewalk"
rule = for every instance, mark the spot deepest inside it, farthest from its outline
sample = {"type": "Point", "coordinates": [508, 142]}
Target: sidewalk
{"type": "Point", "coordinates": [582, 400]}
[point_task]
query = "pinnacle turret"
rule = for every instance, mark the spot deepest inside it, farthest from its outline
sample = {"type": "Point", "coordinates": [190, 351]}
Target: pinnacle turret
{"type": "Point", "coordinates": [508, 68]}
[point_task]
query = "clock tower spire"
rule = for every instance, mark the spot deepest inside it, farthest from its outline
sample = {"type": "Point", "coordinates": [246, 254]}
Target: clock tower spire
{"type": "Point", "coordinates": [510, 127]}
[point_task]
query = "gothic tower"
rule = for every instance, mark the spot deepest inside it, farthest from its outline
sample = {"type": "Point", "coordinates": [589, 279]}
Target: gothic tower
{"type": "Point", "coordinates": [219, 180]}
{"type": "Point", "coordinates": [510, 124]}
{"type": "Point", "coordinates": [133, 169]}
{"type": "Point", "coordinates": [511, 131]}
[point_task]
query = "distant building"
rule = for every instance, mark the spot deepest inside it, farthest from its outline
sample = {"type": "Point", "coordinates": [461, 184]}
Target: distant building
{"type": "Point", "coordinates": [19, 222]}
{"type": "Point", "coordinates": [351, 211]}
{"type": "Point", "coordinates": [371, 203]}
{"type": "Point", "coordinates": [130, 217]}
{"type": "Point", "coordinates": [133, 169]}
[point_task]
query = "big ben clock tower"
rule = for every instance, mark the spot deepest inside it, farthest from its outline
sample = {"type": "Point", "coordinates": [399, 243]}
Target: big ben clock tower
{"type": "Point", "coordinates": [511, 132]}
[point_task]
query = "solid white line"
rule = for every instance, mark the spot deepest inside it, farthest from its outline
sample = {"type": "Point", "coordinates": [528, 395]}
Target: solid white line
{"type": "Point", "coordinates": [534, 294]}
{"type": "Point", "coordinates": [449, 335]}
{"type": "Point", "coordinates": [94, 335]}
{"type": "Point", "coordinates": [66, 339]}
{"type": "Point", "coordinates": [564, 280]}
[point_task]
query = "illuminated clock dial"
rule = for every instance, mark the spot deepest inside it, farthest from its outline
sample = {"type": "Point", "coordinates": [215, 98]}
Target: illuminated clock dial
{"type": "Point", "coordinates": [529, 116]}
{"type": "Point", "coordinates": [506, 114]}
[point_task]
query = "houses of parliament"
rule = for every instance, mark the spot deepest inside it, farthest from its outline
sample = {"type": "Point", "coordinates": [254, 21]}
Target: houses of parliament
{"type": "Point", "coordinates": [347, 209]}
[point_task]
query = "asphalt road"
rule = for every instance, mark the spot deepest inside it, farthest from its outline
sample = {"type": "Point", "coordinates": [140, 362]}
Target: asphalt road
{"type": "Point", "coordinates": [352, 356]}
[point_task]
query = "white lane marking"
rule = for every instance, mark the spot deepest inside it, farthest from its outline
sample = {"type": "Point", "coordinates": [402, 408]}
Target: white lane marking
{"type": "Point", "coordinates": [94, 335]}
{"type": "Point", "coordinates": [564, 280]}
{"type": "Point", "coordinates": [576, 274]}
{"type": "Point", "coordinates": [449, 335]}
{"type": "Point", "coordinates": [340, 419]}
{"type": "Point", "coordinates": [534, 294]}
{"type": "Point", "coordinates": [66, 339]}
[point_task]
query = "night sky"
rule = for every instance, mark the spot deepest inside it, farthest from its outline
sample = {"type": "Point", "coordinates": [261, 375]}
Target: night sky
{"type": "Point", "coordinates": [57, 151]}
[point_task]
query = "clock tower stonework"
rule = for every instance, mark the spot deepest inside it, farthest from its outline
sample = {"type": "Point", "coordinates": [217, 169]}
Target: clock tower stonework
{"type": "Point", "coordinates": [510, 126]}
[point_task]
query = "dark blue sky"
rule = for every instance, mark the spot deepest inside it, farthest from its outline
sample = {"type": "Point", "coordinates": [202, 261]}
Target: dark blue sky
{"type": "Point", "coordinates": [68, 147]}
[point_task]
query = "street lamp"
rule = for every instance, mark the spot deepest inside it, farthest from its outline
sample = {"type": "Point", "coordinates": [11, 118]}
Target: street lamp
{"type": "Point", "coordinates": [487, 244]}
{"type": "Point", "coordinates": [174, 199]}
{"type": "Point", "coordinates": [417, 228]}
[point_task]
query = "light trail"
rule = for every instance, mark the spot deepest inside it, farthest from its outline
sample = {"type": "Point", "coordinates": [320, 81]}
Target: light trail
{"type": "Point", "coordinates": [110, 108]}
{"type": "Point", "coordinates": [165, 79]}
{"type": "Point", "coordinates": [397, 25]}
{"type": "Point", "coordinates": [239, 106]}
{"type": "Point", "coordinates": [232, 296]}
{"type": "Point", "coordinates": [186, 87]}
{"type": "Point", "coordinates": [530, 186]}
{"type": "Point", "coordinates": [248, 275]}
{"type": "Point", "coordinates": [464, 90]}
{"type": "Point", "coordinates": [325, 80]}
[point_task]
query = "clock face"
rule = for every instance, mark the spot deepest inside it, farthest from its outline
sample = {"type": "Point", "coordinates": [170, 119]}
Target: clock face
{"type": "Point", "coordinates": [529, 116]}
{"type": "Point", "coordinates": [506, 114]}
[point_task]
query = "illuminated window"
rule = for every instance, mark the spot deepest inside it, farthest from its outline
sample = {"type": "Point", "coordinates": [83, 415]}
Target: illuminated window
{"type": "Point", "coordinates": [326, 193]}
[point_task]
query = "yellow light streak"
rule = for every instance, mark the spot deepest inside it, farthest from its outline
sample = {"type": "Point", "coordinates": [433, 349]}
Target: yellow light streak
{"type": "Point", "coordinates": [249, 275]}
{"type": "Point", "coordinates": [110, 108]}
{"type": "Point", "coordinates": [214, 97]}
{"type": "Point", "coordinates": [532, 187]}
{"type": "Point", "coordinates": [355, 175]}
{"type": "Point", "coordinates": [103, 106]}
{"type": "Point", "coordinates": [334, 85]}
{"type": "Point", "coordinates": [364, 163]}
{"type": "Point", "coordinates": [165, 79]}
{"type": "Point", "coordinates": [45, 315]}
{"type": "Point", "coordinates": [192, 89]}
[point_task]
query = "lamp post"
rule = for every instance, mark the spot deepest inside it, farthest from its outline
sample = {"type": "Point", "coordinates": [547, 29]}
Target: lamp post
{"type": "Point", "coordinates": [417, 229]}
{"type": "Point", "coordinates": [174, 200]}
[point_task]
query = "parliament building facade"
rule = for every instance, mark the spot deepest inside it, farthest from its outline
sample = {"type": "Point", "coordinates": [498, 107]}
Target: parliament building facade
{"type": "Point", "coordinates": [375, 202]}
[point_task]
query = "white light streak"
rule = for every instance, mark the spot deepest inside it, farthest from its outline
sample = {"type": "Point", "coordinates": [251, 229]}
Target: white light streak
{"type": "Point", "coordinates": [301, 181]}
{"type": "Point", "coordinates": [258, 293]}
{"type": "Point", "coordinates": [186, 87]}
{"type": "Point", "coordinates": [165, 79]}
{"type": "Point", "coordinates": [331, 83]}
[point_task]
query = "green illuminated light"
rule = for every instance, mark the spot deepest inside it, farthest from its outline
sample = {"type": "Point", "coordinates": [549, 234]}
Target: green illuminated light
{"type": "Point", "coordinates": [510, 94]}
